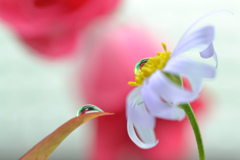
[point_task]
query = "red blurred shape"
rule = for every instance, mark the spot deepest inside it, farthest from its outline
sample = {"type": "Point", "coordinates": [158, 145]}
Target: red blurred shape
{"type": "Point", "coordinates": [51, 27]}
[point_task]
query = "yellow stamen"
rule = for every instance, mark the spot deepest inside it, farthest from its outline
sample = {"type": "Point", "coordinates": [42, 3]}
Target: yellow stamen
{"type": "Point", "coordinates": [164, 47]}
{"type": "Point", "coordinates": [132, 83]}
{"type": "Point", "coordinates": [153, 63]}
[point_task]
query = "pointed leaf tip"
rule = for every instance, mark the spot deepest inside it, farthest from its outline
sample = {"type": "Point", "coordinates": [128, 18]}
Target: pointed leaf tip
{"type": "Point", "coordinates": [46, 147]}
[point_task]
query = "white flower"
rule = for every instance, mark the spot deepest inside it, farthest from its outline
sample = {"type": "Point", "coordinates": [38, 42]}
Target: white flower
{"type": "Point", "coordinates": [157, 95]}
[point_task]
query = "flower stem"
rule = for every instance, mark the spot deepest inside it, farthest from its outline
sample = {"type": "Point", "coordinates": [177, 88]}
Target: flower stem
{"type": "Point", "coordinates": [189, 112]}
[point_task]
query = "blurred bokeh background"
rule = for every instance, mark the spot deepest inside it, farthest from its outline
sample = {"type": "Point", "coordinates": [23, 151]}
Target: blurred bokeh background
{"type": "Point", "coordinates": [38, 94]}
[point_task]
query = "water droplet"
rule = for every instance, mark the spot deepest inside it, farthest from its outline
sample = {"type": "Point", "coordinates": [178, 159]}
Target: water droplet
{"type": "Point", "coordinates": [139, 65]}
{"type": "Point", "coordinates": [89, 108]}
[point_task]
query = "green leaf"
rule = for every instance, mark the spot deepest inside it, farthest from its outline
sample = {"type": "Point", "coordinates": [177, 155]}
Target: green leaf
{"type": "Point", "coordinates": [46, 147]}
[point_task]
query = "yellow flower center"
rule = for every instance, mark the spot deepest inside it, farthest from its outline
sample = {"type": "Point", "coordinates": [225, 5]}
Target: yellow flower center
{"type": "Point", "coordinates": [146, 67]}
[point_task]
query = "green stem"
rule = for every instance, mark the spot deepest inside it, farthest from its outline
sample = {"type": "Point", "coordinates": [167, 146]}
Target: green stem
{"type": "Point", "coordinates": [189, 112]}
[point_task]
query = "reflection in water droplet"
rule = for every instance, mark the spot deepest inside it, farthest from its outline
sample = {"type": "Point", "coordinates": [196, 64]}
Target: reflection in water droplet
{"type": "Point", "coordinates": [89, 108]}
{"type": "Point", "coordinates": [139, 65]}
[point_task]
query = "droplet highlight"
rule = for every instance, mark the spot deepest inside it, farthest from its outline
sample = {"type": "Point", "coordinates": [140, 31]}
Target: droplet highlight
{"type": "Point", "coordinates": [139, 65]}
{"type": "Point", "coordinates": [89, 108]}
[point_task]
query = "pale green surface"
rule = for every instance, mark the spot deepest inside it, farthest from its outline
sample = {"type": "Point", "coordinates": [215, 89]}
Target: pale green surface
{"type": "Point", "coordinates": [35, 96]}
{"type": "Point", "coordinates": [35, 99]}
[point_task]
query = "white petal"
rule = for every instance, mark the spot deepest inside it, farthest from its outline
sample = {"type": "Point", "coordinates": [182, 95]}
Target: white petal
{"type": "Point", "coordinates": [146, 135]}
{"type": "Point", "coordinates": [200, 38]}
{"type": "Point", "coordinates": [216, 59]}
{"type": "Point", "coordinates": [188, 67]}
{"type": "Point", "coordinates": [136, 110]}
{"type": "Point", "coordinates": [169, 91]}
{"type": "Point", "coordinates": [209, 52]}
{"type": "Point", "coordinates": [140, 118]}
{"type": "Point", "coordinates": [160, 109]}
{"type": "Point", "coordinates": [200, 20]}
{"type": "Point", "coordinates": [136, 140]}
{"type": "Point", "coordinates": [133, 95]}
{"type": "Point", "coordinates": [196, 85]}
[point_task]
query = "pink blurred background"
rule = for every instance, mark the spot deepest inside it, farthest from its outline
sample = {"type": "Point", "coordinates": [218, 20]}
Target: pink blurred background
{"type": "Point", "coordinates": [95, 46]}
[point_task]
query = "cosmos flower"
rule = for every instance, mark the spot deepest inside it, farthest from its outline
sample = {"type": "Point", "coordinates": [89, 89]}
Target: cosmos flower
{"type": "Point", "coordinates": [106, 88]}
{"type": "Point", "coordinates": [160, 92]}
